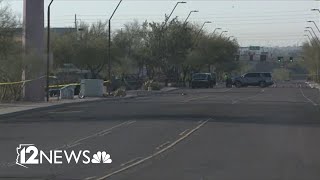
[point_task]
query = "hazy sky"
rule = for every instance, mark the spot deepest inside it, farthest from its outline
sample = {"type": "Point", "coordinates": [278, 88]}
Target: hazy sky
{"type": "Point", "coordinates": [263, 23]}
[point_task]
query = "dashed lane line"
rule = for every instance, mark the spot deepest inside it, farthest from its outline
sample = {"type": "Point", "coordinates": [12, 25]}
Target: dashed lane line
{"type": "Point", "coordinates": [156, 153]}
{"type": "Point", "coordinates": [313, 103]}
{"type": "Point", "coordinates": [246, 98]}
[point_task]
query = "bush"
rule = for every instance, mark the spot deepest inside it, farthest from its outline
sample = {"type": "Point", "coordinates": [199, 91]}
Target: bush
{"type": "Point", "coordinates": [150, 83]}
{"type": "Point", "coordinates": [281, 74]}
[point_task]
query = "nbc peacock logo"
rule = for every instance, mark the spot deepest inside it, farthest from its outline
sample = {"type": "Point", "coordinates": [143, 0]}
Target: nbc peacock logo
{"type": "Point", "coordinates": [101, 157]}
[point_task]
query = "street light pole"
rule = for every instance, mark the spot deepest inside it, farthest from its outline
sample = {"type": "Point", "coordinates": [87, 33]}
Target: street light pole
{"type": "Point", "coordinates": [109, 46]}
{"type": "Point", "coordinates": [317, 78]}
{"type": "Point", "coordinates": [308, 37]}
{"type": "Point", "coordinates": [214, 31]}
{"type": "Point", "coordinates": [223, 32]}
{"type": "Point", "coordinates": [310, 34]}
{"type": "Point", "coordinates": [318, 44]}
{"type": "Point", "coordinates": [185, 21]}
{"type": "Point", "coordinates": [206, 22]}
{"type": "Point", "coordinates": [48, 52]}
{"type": "Point", "coordinates": [230, 37]}
{"type": "Point", "coordinates": [315, 25]}
{"type": "Point", "coordinates": [166, 20]}
{"type": "Point", "coordinates": [313, 33]}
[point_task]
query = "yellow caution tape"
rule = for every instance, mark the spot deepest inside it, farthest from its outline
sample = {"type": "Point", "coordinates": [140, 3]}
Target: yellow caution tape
{"type": "Point", "coordinates": [52, 86]}
{"type": "Point", "coordinates": [20, 82]}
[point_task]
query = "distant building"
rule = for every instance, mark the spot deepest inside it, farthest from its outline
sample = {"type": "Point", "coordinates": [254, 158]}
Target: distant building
{"type": "Point", "coordinates": [257, 54]}
{"type": "Point", "coordinates": [56, 30]}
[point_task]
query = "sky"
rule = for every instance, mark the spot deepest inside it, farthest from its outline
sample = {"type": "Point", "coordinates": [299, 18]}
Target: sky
{"type": "Point", "coordinates": [253, 23]}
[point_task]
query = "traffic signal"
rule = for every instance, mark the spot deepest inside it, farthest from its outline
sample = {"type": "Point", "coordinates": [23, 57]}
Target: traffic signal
{"type": "Point", "coordinates": [279, 59]}
{"type": "Point", "coordinates": [291, 59]}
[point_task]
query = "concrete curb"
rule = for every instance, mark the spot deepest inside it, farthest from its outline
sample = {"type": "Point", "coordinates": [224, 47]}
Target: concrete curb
{"type": "Point", "coordinates": [53, 106]}
{"type": "Point", "coordinates": [313, 85]}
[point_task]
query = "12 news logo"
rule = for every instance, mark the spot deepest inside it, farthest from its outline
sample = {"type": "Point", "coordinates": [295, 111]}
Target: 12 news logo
{"type": "Point", "coordinates": [29, 154]}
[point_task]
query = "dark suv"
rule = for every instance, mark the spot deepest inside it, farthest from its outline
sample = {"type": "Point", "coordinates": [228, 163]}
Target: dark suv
{"type": "Point", "coordinates": [205, 80]}
{"type": "Point", "coordinates": [262, 79]}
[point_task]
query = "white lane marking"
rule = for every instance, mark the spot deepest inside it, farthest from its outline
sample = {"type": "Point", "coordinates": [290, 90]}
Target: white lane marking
{"type": "Point", "coordinates": [64, 112]}
{"type": "Point", "coordinates": [182, 133]}
{"type": "Point", "coordinates": [156, 153]}
{"type": "Point", "coordinates": [196, 98]}
{"type": "Point", "coordinates": [163, 145]}
{"type": "Point", "coordinates": [89, 178]}
{"type": "Point", "coordinates": [98, 133]}
{"type": "Point", "coordinates": [106, 133]}
{"type": "Point", "coordinates": [131, 161]}
{"type": "Point", "coordinates": [199, 122]}
{"type": "Point", "coordinates": [131, 122]}
{"type": "Point", "coordinates": [315, 104]}
{"type": "Point", "coordinates": [202, 97]}
{"type": "Point", "coordinates": [234, 101]}
{"type": "Point", "coordinates": [68, 146]}
{"type": "Point", "coordinates": [7, 164]}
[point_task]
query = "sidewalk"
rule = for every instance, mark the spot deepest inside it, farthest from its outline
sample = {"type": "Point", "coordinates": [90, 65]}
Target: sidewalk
{"type": "Point", "coordinates": [314, 85]}
{"type": "Point", "coordinates": [21, 107]}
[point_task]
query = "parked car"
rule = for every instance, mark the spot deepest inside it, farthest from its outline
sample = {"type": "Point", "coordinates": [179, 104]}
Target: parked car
{"type": "Point", "coordinates": [205, 80]}
{"type": "Point", "coordinates": [262, 79]}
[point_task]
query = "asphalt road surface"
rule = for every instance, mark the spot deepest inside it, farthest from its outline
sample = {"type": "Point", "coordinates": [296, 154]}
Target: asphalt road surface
{"type": "Point", "coordinates": [189, 134]}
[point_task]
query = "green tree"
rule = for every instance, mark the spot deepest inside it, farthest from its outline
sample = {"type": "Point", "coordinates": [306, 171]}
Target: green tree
{"type": "Point", "coordinates": [311, 53]}
{"type": "Point", "coordinates": [10, 54]}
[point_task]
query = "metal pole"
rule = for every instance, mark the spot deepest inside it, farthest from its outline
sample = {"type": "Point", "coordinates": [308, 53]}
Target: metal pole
{"type": "Point", "coordinates": [317, 78]}
{"type": "Point", "coordinates": [166, 20]}
{"type": "Point", "coordinates": [222, 33]}
{"type": "Point", "coordinates": [311, 35]}
{"type": "Point", "coordinates": [230, 37]}
{"type": "Point", "coordinates": [48, 52]}
{"type": "Point", "coordinates": [308, 38]}
{"type": "Point", "coordinates": [185, 21]}
{"type": "Point", "coordinates": [317, 44]}
{"type": "Point", "coordinates": [198, 34]}
{"type": "Point", "coordinates": [314, 33]}
{"type": "Point", "coordinates": [75, 22]}
{"type": "Point", "coordinates": [109, 47]}
{"type": "Point", "coordinates": [215, 30]}
{"type": "Point", "coordinates": [315, 25]}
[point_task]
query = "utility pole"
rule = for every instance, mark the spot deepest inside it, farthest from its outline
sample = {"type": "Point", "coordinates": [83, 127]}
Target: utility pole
{"type": "Point", "coordinates": [109, 47]}
{"type": "Point", "coordinates": [75, 22]}
{"type": "Point", "coordinates": [48, 52]}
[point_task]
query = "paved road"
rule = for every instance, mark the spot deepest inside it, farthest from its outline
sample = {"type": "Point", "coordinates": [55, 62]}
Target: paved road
{"type": "Point", "coordinates": [204, 134]}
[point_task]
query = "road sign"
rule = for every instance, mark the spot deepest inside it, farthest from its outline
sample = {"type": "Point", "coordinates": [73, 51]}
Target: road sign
{"type": "Point", "coordinates": [254, 48]}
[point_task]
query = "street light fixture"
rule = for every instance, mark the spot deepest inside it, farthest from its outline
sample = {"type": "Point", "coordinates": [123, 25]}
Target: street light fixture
{"type": "Point", "coordinates": [317, 78]}
{"type": "Point", "coordinates": [109, 47]}
{"type": "Point", "coordinates": [308, 37]}
{"type": "Point", "coordinates": [315, 25]}
{"type": "Point", "coordinates": [214, 31]}
{"type": "Point", "coordinates": [206, 22]}
{"type": "Point", "coordinates": [313, 33]}
{"type": "Point", "coordinates": [185, 21]}
{"type": "Point", "coordinates": [48, 52]}
{"type": "Point", "coordinates": [165, 22]}
{"type": "Point", "coordinates": [310, 34]}
{"type": "Point", "coordinates": [223, 32]}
